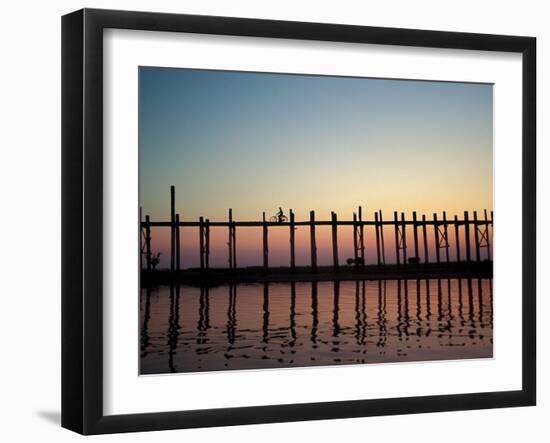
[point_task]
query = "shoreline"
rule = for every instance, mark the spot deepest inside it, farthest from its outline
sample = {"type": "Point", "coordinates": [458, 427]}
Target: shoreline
{"type": "Point", "coordinates": [221, 276]}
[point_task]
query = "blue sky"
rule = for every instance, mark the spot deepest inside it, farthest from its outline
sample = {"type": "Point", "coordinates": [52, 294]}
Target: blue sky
{"type": "Point", "coordinates": [257, 141]}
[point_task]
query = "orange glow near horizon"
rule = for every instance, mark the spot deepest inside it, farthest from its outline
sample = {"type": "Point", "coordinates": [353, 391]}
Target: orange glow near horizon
{"type": "Point", "coordinates": [250, 245]}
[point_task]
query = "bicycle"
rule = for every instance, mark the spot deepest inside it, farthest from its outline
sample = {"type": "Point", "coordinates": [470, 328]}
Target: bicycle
{"type": "Point", "coordinates": [277, 219]}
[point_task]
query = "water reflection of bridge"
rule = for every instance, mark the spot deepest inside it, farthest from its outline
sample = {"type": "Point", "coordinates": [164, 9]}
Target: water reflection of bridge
{"type": "Point", "coordinates": [462, 318]}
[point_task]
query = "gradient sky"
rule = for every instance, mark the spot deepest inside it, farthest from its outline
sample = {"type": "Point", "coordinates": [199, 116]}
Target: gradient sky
{"type": "Point", "coordinates": [254, 142]}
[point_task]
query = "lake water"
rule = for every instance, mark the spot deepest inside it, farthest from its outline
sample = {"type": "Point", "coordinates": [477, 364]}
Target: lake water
{"type": "Point", "coordinates": [277, 325]}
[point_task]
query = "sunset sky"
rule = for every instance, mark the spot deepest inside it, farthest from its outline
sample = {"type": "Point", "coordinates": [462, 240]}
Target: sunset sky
{"type": "Point", "coordinates": [254, 142]}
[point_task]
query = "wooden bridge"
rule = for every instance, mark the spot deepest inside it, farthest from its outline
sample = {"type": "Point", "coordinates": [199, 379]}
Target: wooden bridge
{"type": "Point", "coordinates": [442, 228]}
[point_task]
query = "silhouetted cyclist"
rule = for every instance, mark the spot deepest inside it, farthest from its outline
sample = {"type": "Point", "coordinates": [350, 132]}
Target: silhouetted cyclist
{"type": "Point", "coordinates": [281, 215]}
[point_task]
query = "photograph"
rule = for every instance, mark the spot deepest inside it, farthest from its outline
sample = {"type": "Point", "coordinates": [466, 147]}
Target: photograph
{"type": "Point", "coordinates": [283, 218]}
{"type": "Point", "coordinates": [294, 220]}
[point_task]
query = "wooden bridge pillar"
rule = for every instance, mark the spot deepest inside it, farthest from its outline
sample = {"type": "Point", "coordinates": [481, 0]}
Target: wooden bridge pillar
{"type": "Point", "coordinates": [207, 244]}
{"type": "Point", "coordinates": [404, 238]}
{"type": "Point", "coordinates": [446, 233]}
{"type": "Point", "coordinates": [396, 226]}
{"type": "Point", "coordinates": [476, 237]}
{"type": "Point", "coordinates": [230, 239]}
{"type": "Point", "coordinates": [172, 230]}
{"type": "Point", "coordinates": [467, 236]}
{"type": "Point", "coordinates": [234, 246]}
{"type": "Point", "coordinates": [292, 242]}
{"type": "Point", "coordinates": [436, 234]}
{"type": "Point", "coordinates": [382, 237]}
{"type": "Point", "coordinates": [201, 242]}
{"type": "Point", "coordinates": [313, 244]}
{"type": "Point", "coordinates": [362, 237]}
{"type": "Point", "coordinates": [425, 235]}
{"type": "Point", "coordinates": [457, 240]}
{"type": "Point", "coordinates": [415, 235]}
{"type": "Point", "coordinates": [487, 234]}
{"type": "Point", "coordinates": [148, 243]}
{"type": "Point", "coordinates": [355, 241]}
{"type": "Point", "coordinates": [142, 240]}
{"type": "Point", "coordinates": [177, 241]}
{"type": "Point", "coordinates": [265, 244]}
{"type": "Point", "coordinates": [377, 229]}
{"type": "Point", "coordinates": [334, 241]}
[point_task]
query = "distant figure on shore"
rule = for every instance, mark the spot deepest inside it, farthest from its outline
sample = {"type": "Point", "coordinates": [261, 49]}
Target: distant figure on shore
{"type": "Point", "coordinates": [357, 261]}
{"type": "Point", "coordinates": [155, 260]}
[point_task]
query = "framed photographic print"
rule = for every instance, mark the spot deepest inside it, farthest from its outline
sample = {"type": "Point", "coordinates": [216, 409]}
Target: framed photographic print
{"type": "Point", "coordinates": [269, 221]}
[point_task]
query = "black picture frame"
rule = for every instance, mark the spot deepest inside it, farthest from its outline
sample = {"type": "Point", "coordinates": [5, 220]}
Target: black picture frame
{"type": "Point", "coordinates": [82, 218]}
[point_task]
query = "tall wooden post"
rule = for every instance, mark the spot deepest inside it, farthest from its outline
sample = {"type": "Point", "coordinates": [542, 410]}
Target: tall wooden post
{"type": "Point", "coordinates": [436, 234]}
{"type": "Point", "coordinates": [177, 242]}
{"type": "Point", "coordinates": [172, 231]}
{"type": "Point", "coordinates": [234, 246]}
{"type": "Point", "coordinates": [313, 244]}
{"type": "Point", "coordinates": [404, 237]}
{"type": "Point", "coordinates": [148, 242]}
{"type": "Point", "coordinates": [207, 244]}
{"type": "Point", "coordinates": [362, 237]}
{"type": "Point", "coordinates": [415, 235]}
{"type": "Point", "coordinates": [382, 237]}
{"type": "Point", "coordinates": [141, 239]}
{"type": "Point", "coordinates": [355, 241]}
{"type": "Point", "coordinates": [334, 241]}
{"type": "Point", "coordinates": [457, 240]}
{"type": "Point", "coordinates": [425, 235]}
{"type": "Point", "coordinates": [201, 242]}
{"type": "Point", "coordinates": [377, 229]}
{"type": "Point", "coordinates": [265, 244]}
{"type": "Point", "coordinates": [230, 239]}
{"type": "Point", "coordinates": [292, 242]}
{"type": "Point", "coordinates": [487, 234]}
{"type": "Point", "coordinates": [476, 237]}
{"type": "Point", "coordinates": [396, 226]}
{"type": "Point", "coordinates": [467, 236]}
{"type": "Point", "coordinates": [446, 232]}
